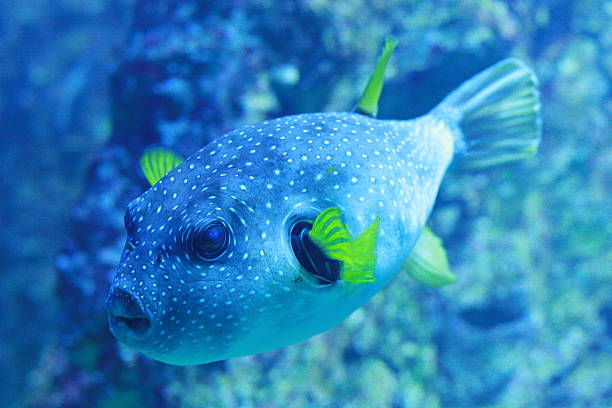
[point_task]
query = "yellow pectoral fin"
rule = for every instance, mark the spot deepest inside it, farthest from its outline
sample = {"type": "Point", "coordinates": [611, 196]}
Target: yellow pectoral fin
{"type": "Point", "coordinates": [428, 263]}
{"type": "Point", "coordinates": [360, 263]}
{"type": "Point", "coordinates": [156, 163]}
{"type": "Point", "coordinates": [328, 228]}
{"type": "Point", "coordinates": [358, 256]}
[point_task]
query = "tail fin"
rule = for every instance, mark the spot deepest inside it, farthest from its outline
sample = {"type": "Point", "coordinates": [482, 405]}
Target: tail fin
{"type": "Point", "coordinates": [498, 114]}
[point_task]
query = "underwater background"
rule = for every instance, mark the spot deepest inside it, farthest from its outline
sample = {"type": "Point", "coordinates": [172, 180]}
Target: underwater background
{"type": "Point", "coordinates": [87, 86]}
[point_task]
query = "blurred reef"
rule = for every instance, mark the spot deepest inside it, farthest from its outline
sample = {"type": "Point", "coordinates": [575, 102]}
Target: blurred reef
{"type": "Point", "coordinates": [86, 87]}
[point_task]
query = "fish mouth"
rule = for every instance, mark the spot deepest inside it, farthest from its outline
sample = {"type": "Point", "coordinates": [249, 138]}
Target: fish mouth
{"type": "Point", "coordinates": [137, 325]}
{"type": "Point", "coordinates": [321, 269]}
{"type": "Point", "coordinates": [127, 318]}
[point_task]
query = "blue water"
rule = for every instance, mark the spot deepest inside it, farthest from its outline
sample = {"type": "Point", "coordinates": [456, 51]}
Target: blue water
{"type": "Point", "coordinates": [86, 87]}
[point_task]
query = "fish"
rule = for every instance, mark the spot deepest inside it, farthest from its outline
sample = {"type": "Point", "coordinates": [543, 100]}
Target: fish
{"type": "Point", "coordinates": [279, 230]}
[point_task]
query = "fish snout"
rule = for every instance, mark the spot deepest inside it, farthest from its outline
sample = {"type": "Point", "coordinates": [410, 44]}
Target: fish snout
{"type": "Point", "coordinates": [127, 316]}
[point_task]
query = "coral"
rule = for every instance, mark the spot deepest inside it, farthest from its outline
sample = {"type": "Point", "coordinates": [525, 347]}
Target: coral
{"type": "Point", "coordinates": [527, 324]}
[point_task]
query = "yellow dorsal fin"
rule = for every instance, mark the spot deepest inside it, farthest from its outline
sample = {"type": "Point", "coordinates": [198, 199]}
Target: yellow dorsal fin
{"type": "Point", "coordinates": [156, 163]}
{"type": "Point", "coordinates": [427, 263]}
{"type": "Point", "coordinates": [368, 103]}
{"type": "Point", "coordinates": [358, 256]}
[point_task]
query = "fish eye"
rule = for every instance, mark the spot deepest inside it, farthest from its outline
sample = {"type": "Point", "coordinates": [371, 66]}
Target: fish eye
{"type": "Point", "coordinates": [210, 241]}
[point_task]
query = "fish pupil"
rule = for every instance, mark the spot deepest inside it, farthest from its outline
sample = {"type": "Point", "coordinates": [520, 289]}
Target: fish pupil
{"type": "Point", "coordinates": [213, 240]}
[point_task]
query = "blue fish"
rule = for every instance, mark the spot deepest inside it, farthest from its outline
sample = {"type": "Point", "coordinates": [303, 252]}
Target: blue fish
{"type": "Point", "coordinates": [279, 230]}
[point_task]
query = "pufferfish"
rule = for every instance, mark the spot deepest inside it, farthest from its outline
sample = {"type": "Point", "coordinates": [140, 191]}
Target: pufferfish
{"type": "Point", "coordinates": [278, 231]}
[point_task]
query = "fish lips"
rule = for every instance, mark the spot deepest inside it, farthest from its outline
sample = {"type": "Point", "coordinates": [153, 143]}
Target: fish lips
{"type": "Point", "coordinates": [128, 319]}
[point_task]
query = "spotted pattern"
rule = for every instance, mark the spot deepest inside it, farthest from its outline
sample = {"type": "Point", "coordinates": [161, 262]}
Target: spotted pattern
{"type": "Point", "coordinates": [258, 180]}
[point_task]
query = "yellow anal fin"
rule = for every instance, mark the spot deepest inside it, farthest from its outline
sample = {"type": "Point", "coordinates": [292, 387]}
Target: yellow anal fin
{"type": "Point", "coordinates": [427, 263]}
{"type": "Point", "coordinates": [358, 256]}
{"type": "Point", "coordinates": [156, 163]}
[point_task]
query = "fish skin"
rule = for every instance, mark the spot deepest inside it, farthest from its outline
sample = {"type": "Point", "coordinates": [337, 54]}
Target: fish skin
{"type": "Point", "coordinates": [260, 179]}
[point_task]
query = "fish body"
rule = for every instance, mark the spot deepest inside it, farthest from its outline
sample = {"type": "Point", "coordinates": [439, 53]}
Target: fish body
{"type": "Point", "coordinates": [245, 191]}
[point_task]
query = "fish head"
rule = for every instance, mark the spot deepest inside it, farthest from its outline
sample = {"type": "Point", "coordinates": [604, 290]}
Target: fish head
{"type": "Point", "coordinates": [208, 270]}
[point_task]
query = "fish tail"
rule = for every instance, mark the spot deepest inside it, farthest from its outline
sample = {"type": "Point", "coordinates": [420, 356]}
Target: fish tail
{"type": "Point", "coordinates": [498, 115]}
